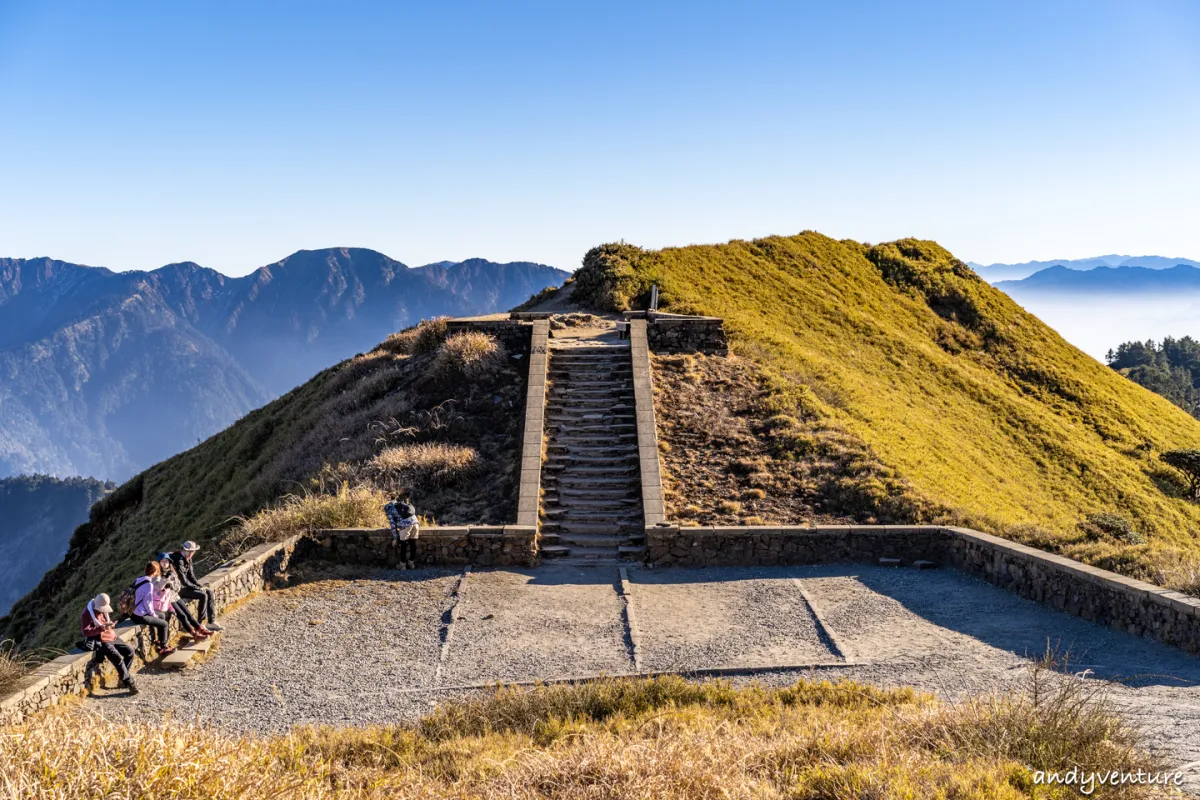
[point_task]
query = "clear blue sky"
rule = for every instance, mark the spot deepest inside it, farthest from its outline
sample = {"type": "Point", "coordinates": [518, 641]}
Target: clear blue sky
{"type": "Point", "coordinates": [231, 134]}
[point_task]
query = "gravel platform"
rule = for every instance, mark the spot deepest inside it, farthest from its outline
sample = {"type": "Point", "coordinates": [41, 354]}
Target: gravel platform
{"type": "Point", "coordinates": [331, 651]}
{"type": "Point", "coordinates": [361, 647]}
{"type": "Point", "coordinates": [525, 624]}
{"type": "Point", "coordinates": [719, 618]}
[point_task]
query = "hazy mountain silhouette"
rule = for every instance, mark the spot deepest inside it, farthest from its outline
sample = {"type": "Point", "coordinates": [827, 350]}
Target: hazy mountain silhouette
{"type": "Point", "coordinates": [993, 273]}
{"type": "Point", "coordinates": [104, 373]}
{"type": "Point", "coordinates": [1106, 280]}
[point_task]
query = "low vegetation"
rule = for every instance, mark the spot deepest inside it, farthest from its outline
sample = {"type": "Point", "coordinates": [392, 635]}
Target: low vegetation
{"type": "Point", "coordinates": [951, 402]}
{"type": "Point", "coordinates": [470, 355]}
{"type": "Point", "coordinates": [736, 450]}
{"type": "Point", "coordinates": [664, 738]}
{"type": "Point", "coordinates": [13, 666]}
{"type": "Point", "coordinates": [328, 453]}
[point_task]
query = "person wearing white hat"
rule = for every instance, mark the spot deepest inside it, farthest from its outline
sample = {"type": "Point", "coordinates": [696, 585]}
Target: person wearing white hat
{"type": "Point", "coordinates": [191, 589]}
{"type": "Point", "coordinates": [100, 637]}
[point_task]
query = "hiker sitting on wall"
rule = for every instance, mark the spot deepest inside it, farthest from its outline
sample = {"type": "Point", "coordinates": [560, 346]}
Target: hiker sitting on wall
{"type": "Point", "coordinates": [402, 517]}
{"type": "Point", "coordinates": [101, 639]}
{"type": "Point", "coordinates": [191, 589]}
{"type": "Point", "coordinates": [146, 608]}
{"type": "Point", "coordinates": [167, 587]}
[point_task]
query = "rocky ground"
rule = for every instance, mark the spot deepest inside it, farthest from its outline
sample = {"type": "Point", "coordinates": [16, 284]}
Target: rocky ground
{"type": "Point", "coordinates": [368, 648]}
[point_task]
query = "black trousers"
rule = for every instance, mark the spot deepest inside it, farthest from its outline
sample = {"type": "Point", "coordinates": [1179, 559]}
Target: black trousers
{"type": "Point", "coordinates": [119, 654]}
{"type": "Point", "coordinates": [159, 628]}
{"type": "Point", "coordinates": [186, 621]}
{"type": "Point", "coordinates": [205, 605]}
{"type": "Point", "coordinates": [407, 549]}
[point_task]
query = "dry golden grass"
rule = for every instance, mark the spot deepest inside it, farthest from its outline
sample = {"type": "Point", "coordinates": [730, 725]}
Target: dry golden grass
{"type": "Point", "coordinates": [424, 337]}
{"type": "Point", "coordinates": [347, 507]}
{"type": "Point", "coordinates": [418, 468]}
{"type": "Point", "coordinates": [13, 666]}
{"type": "Point", "coordinates": [471, 355]}
{"type": "Point", "coordinates": [619, 739]}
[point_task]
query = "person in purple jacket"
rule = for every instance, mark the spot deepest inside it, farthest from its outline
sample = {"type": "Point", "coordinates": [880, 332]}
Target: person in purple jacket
{"type": "Point", "coordinates": [145, 609]}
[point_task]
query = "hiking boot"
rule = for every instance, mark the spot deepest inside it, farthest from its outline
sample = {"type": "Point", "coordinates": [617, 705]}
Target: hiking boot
{"type": "Point", "coordinates": [200, 635]}
{"type": "Point", "coordinates": [213, 627]}
{"type": "Point", "coordinates": [411, 565]}
{"type": "Point", "coordinates": [131, 686]}
{"type": "Point", "coordinates": [166, 651]}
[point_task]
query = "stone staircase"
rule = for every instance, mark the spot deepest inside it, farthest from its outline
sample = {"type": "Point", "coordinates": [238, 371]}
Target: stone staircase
{"type": "Point", "coordinates": [591, 501]}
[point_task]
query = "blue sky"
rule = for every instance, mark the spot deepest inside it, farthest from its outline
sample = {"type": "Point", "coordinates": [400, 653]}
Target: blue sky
{"type": "Point", "coordinates": [231, 134]}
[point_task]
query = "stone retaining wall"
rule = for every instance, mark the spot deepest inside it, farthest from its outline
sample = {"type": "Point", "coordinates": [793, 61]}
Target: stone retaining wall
{"type": "Point", "coordinates": [1104, 597]}
{"type": "Point", "coordinates": [72, 673]}
{"type": "Point", "coordinates": [758, 545]}
{"type": "Point", "coordinates": [513, 334]}
{"type": "Point", "coordinates": [687, 335]}
{"type": "Point", "coordinates": [499, 545]}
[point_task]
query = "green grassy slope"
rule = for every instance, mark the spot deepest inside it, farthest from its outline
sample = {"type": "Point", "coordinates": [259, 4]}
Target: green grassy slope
{"type": "Point", "coordinates": [981, 407]}
{"type": "Point", "coordinates": [324, 428]}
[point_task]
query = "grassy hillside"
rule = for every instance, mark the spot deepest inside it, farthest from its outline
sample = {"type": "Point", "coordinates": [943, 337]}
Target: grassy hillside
{"type": "Point", "coordinates": [980, 410]}
{"type": "Point", "coordinates": [436, 420]}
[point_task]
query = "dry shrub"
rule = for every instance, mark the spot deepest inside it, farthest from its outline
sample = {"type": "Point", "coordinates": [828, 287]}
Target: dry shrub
{"type": "Point", "coordinates": [471, 355]}
{"type": "Point", "coordinates": [424, 466]}
{"type": "Point", "coordinates": [347, 507]}
{"type": "Point", "coordinates": [424, 337]}
{"type": "Point", "coordinates": [13, 666]}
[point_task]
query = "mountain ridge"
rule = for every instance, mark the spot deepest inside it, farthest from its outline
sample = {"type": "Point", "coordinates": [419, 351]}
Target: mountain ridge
{"type": "Point", "coordinates": [92, 359]}
{"type": "Point", "coordinates": [1124, 279]}
{"type": "Point", "coordinates": [993, 273]}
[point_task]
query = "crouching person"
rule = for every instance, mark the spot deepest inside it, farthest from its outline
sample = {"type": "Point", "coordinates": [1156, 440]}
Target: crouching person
{"type": "Point", "coordinates": [100, 637]}
{"type": "Point", "coordinates": [402, 518]}
{"type": "Point", "coordinates": [146, 609]}
{"type": "Point", "coordinates": [206, 611]}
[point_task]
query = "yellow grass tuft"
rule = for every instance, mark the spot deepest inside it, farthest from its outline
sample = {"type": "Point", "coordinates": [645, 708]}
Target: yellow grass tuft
{"type": "Point", "coordinates": [471, 355]}
{"type": "Point", "coordinates": [424, 337]}
{"type": "Point", "coordinates": [347, 507]}
{"type": "Point", "coordinates": [13, 666]}
{"type": "Point", "coordinates": [414, 468]}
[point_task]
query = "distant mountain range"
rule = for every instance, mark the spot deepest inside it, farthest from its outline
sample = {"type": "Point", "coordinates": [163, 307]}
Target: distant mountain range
{"type": "Point", "coordinates": [994, 273]}
{"type": "Point", "coordinates": [104, 373]}
{"type": "Point", "coordinates": [1106, 280]}
{"type": "Point", "coordinates": [40, 514]}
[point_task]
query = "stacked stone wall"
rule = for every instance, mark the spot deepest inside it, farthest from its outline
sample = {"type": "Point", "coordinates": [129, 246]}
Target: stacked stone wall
{"type": "Point", "coordinates": [484, 545]}
{"type": "Point", "coordinates": [687, 335]}
{"type": "Point", "coordinates": [514, 334]}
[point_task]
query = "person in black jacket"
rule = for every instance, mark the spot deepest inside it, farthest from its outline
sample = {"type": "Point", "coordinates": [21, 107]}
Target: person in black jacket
{"type": "Point", "coordinates": [190, 588]}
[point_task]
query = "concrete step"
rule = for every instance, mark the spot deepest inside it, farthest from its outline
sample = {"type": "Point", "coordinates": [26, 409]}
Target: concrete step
{"type": "Point", "coordinates": [626, 528]}
{"type": "Point", "coordinates": [594, 540]}
{"type": "Point", "coordinates": [588, 417]}
{"type": "Point", "coordinates": [575, 470]}
{"type": "Point", "coordinates": [627, 491]}
{"type": "Point", "coordinates": [571, 427]}
{"type": "Point", "coordinates": [594, 553]}
{"type": "Point", "coordinates": [620, 439]}
{"type": "Point", "coordinates": [548, 539]}
{"type": "Point", "coordinates": [554, 551]}
{"type": "Point", "coordinates": [589, 502]}
{"type": "Point", "coordinates": [552, 482]}
{"type": "Point", "coordinates": [185, 653]}
{"type": "Point", "coordinates": [587, 449]}
{"type": "Point", "coordinates": [631, 552]}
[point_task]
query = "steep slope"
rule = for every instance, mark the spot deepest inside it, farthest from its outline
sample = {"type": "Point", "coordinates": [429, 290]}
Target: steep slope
{"type": "Point", "coordinates": [981, 409]}
{"type": "Point", "coordinates": [39, 514]}
{"type": "Point", "coordinates": [105, 373]}
{"type": "Point", "coordinates": [318, 438]}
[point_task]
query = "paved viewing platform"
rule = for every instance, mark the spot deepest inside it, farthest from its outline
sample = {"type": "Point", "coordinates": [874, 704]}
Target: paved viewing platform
{"type": "Point", "coordinates": [355, 646]}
